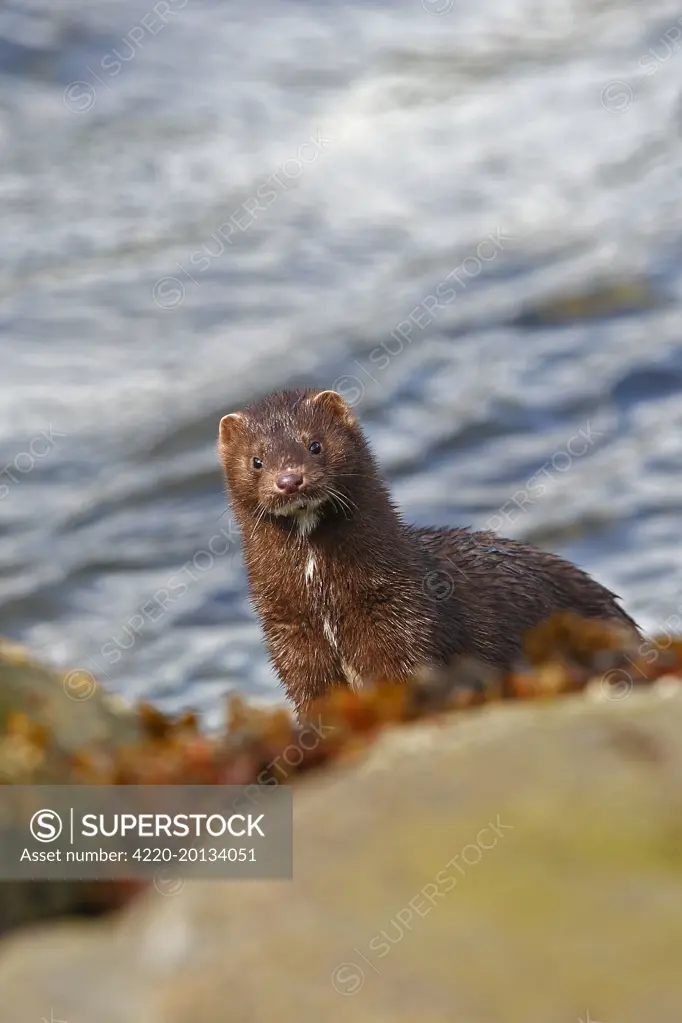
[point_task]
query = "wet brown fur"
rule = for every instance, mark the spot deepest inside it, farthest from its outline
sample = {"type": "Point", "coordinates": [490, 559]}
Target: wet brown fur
{"type": "Point", "coordinates": [382, 598]}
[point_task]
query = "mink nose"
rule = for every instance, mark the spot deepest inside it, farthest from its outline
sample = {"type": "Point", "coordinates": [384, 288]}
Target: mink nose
{"type": "Point", "coordinates": [289, 482]}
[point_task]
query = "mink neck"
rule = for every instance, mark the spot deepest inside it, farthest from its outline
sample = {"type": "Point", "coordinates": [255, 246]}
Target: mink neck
{"type": "Point", "coordinates": [364, 514]}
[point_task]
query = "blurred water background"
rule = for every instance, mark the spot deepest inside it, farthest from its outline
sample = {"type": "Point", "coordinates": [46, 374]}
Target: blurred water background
{"type": "Point", "coordinates": [466, 216]}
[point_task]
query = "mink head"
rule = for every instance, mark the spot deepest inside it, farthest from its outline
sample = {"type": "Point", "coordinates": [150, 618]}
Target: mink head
{"type": "Point", "coordinates": [293, 453]}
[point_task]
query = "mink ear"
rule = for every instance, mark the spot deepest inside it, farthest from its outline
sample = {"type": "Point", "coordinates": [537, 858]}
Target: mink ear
{"type": "Point", "coordinates": [333, 403]}
{"type": "Point", "coordinates": [228, 427]}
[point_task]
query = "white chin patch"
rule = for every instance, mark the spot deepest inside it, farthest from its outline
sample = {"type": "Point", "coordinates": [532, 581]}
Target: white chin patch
{"type": "Point", "coordinates": [307, 520]}
{"type": "Point", "coordinates": [304, 511]}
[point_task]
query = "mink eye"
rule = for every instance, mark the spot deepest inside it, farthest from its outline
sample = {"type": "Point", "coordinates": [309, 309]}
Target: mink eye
{"type": "Point", "coordinates": [257, 463]}
{"type": "Point", "coordinates": [315, 447]}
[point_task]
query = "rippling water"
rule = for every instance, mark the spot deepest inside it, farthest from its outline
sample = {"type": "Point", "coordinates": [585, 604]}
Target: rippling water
{"type": "Point", "coordinates": [204, 201]}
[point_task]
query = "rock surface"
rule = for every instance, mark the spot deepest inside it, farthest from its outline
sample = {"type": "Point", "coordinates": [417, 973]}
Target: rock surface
{"type": "Point", "coordinates": [71, 709]}
{"type": "Point", "coordinates": [45, 718]}
{"type": "Point", "coordinates": [520, 863]}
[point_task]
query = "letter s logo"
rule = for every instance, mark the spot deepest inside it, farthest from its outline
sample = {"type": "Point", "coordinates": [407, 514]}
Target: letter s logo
{"type": "Point", "coordinates": [46, 825]}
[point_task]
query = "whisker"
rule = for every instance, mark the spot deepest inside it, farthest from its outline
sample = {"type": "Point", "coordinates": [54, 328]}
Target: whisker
{"type": "Point", "coordinates": [343, 502]}
{"type": "Point", "coordinates": [336, 505]}
{"type": "Point", "coordinates": [259, 517]}
{"type": "Point", "coordinates": [348, 500]}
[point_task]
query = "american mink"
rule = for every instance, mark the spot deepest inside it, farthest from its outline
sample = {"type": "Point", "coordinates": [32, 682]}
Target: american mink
{"type": "Point", "coordinates": [347, 592]}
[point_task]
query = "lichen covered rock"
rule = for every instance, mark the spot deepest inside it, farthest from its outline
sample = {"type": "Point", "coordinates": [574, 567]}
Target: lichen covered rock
{"type": "Point", "coordinates": [519, 862]}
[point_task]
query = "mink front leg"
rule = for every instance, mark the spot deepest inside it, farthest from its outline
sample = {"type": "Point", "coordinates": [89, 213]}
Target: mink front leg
{"type": "Point", "coordinates": [305, 662]}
